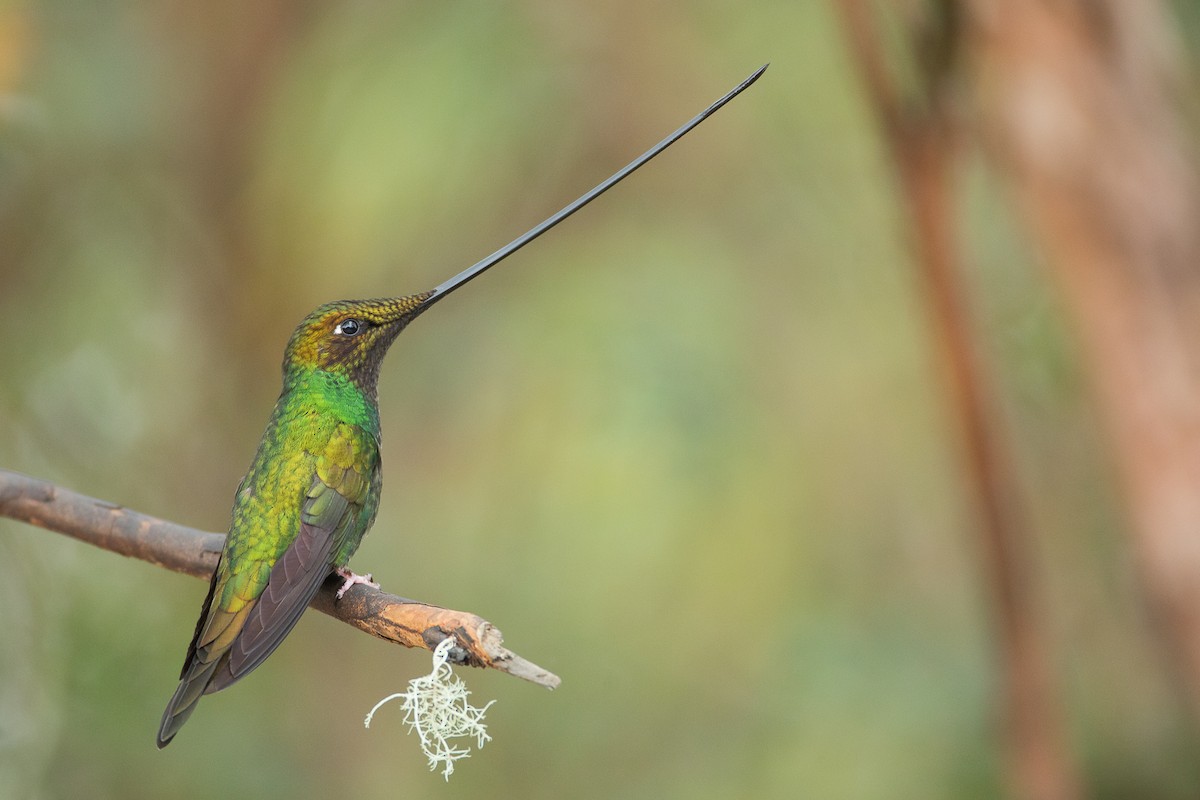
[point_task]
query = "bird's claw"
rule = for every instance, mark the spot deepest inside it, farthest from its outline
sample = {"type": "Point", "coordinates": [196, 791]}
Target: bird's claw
{"type": "Point", "coordinates": [349, 578]}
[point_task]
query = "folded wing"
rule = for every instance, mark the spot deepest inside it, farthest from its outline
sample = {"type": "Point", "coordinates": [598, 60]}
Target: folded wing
{"type": "Point", "coordinates": [251, 617]}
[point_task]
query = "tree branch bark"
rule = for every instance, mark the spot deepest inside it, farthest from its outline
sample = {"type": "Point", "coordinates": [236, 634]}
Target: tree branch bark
{"type": "Point", "coordinates": [193, 552]}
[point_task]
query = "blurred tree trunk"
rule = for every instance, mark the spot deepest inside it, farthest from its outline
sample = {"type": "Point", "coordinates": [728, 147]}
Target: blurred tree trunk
{"type": "Point", "coordinates": [1077, 105]}
{"type": "Point", "coordinates": [923, 131]}
{"type": "Point", "coordinates": [1080, 114]}
{"type": "Point", "coordinates": [237, 52]}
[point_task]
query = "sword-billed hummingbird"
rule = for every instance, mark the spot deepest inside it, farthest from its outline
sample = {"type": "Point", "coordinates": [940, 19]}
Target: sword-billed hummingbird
{"type": "Point", "coordinates": [313, 488]}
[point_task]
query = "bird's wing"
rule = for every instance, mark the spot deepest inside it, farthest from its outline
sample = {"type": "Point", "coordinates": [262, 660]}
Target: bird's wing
{"type": "Point", "coordinates": [260, 604]}
{"type": "Point", "coordinates": [332, 513]}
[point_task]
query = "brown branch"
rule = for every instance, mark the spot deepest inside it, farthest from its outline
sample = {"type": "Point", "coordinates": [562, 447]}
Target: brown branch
{"type": "Point", "coordinates": [922, 133]}
{"type": "Point", "coordinates": [195, 553]}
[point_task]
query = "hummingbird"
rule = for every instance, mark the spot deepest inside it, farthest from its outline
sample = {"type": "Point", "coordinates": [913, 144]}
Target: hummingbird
{"type": "Point", "coordinates": [313, 489]}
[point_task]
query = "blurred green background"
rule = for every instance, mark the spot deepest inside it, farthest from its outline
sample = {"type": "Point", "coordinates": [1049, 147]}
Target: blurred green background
{"type": "Point", "coordinates": [689, 451]}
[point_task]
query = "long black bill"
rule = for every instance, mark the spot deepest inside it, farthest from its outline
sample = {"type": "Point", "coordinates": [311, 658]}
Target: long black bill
{"type": "Point", "coordinates": [480, 267]}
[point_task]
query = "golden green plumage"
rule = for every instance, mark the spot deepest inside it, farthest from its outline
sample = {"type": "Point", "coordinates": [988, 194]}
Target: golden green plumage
{"type": "Point", "coordinates": [307, 501]}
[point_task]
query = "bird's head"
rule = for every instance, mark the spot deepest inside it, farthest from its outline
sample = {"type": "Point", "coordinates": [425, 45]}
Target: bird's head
{"type": "Point", "coordinates": [350, 337]}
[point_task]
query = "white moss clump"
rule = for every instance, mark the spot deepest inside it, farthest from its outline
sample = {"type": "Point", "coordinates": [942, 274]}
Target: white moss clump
{"type": "Point", "coordinates": [436, 707]}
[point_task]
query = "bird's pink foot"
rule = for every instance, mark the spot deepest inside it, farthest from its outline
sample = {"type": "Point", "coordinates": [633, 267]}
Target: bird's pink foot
{"type": "Point", "coordinates": [350, 578]}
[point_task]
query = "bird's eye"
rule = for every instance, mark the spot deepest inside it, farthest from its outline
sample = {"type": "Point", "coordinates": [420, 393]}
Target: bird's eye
{"type": "Point", "coordinates": [348, 327]}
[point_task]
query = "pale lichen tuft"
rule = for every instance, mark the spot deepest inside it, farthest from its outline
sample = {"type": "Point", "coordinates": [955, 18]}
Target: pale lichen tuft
{"type": "Point", "coordinates": [436, 707]}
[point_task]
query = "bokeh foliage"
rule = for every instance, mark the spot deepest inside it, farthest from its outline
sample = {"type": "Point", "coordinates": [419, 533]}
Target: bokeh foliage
{"type": "Point", "coordinates": [689, 451]}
